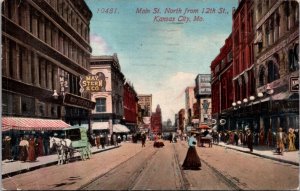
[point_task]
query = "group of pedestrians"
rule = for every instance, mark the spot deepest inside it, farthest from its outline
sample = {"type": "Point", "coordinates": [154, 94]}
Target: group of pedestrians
{"type": "Point", "coordinates": [279, 140]}
{"type": "Point", "coordinates": [24, 148]}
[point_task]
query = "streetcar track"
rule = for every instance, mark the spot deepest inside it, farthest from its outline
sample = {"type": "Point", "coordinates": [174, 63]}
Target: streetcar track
{"type": "Point", "coordinates": [185, 185]}
{"type": "Point", "coordinates": [83, 187]}
{"type": "Point", "coordinates": [226, 180]}
{"type": "Point", "coordinates": [138, 173]}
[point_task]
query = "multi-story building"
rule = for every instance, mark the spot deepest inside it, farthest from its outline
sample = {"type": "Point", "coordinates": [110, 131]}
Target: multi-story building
{"type": "Point", "coordinates": [130, 107]}
{"type": "Point", "coordinates": [221, 84]}
{"type": "Point", "coordinates": [109, 99]}
{"type": "Point", "coordinates": [156, 121]}
{"type": "Point", "coordinates": [145, 101]}
{"type": "Point", "coordinates": [145, 112]}
{"type": "Point", "coordinates": [203, 95]}
{"type": "Point", "coordinates": [181, 121]}
{"type": "Point", "coordinates": [243, 64]}
{"type": "Point", "coordinates": [189, 102]}
{"type": "Point", "coordinates": [277, 64]}
{"type": "Point", "coordinates": [45, 50]}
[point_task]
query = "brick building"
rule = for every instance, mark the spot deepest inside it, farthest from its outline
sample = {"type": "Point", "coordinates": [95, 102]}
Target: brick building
{"type": "Point", "coordinates": [130, 101]}
{"type": "Point", "coordinates": [221, 83]}
{"type": "Point", "coordinates": [156, 121]}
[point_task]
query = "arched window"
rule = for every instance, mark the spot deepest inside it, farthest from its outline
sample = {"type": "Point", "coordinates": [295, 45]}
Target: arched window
{"type": "Point", "coordinates": [262, 76]}
{"type": "Point", "coordinates": [273, 72]}
{"type": "Point", "coordinates": [294, 58]}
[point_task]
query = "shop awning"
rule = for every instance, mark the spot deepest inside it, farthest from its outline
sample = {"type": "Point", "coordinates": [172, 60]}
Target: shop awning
{"type": "Point", "coordinates": [118, 128]}
{"type": "Point", "coordinates": [32, 124]}
{"type": "Point", "coordinates": [100, 126]}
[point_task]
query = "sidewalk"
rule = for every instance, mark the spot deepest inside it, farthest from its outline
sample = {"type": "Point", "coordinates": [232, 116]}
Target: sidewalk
{"type": "Point", "coordinates": [18, 167]}
{"type": "Point", "coordinates": [266, 152]}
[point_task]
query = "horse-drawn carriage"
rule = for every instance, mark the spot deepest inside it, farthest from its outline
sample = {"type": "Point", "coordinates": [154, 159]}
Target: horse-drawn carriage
{"type": "Point", "coordinates": [76, 140]}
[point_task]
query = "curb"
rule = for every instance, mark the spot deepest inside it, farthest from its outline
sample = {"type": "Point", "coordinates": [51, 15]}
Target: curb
{"type": "Point", "coordinates": [50, 163]}
{"type": "Point", "coordinates": [260, 155]}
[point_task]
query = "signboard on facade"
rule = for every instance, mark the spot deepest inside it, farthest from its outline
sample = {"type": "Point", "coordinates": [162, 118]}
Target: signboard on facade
{"type": "Point", "coordinates": [294, 84]}
{"type": "Point", "coordinates": [203, 85]}
{"type": "Point", "coordinates": [92, 83]}
{"type": "Point", "coordinates": [77, 101]}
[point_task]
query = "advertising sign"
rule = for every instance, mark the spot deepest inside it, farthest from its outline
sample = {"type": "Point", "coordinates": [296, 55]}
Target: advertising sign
{"type": "Point", "coordinates": [92, 83]}
{"type": "Point", "coordinates": [203, 84]}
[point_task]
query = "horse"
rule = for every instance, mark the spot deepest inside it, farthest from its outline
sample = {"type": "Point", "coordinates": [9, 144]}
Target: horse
{"type": "Point", "coordinates": [64, 149]}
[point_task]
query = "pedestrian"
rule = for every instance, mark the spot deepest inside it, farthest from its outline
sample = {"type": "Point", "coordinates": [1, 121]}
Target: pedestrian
{"type": "Point", "coordinates": [143, 139]}
{"type": "Point", "coordinates": [119, 139]}
{"type": "Point", "coordinates": [261, 137]}
{"type": "Point", "coordinates": [7, 148]}
{"type": "Point", "coordinates": [31, 149]}
{"type": "Point", "coordinates": [280, 141]}
{"type": "Point", "coordinates": [291, 137]}
{"type": "Point", "coordinates": [102, 141]}
{"type": "Point", "coordinates": [250, 140]}
{"type": "Point", "coordinates": [236, 138]}
{"type": "Point", "coordinates": [192, 160]}
{"type": "Point", "coordinates": [98, 141]}
{"type": "Point", "coordinates": [270, 138]}
{"type": "Point", "coordinates": [170, 137]}
{"type": "Point", "coordinates": [296, 139]}
{"type": "Point", "coordinates": [23, 147]}
{"type": "Point", "coordinates": [40, 143]}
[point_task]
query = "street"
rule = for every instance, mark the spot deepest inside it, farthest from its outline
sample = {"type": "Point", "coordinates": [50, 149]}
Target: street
{"type": "Point", "coordinates": [131, 167]}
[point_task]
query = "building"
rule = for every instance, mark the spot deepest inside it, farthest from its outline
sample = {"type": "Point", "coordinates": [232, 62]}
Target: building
{"type": "Point", "coordinates": [243, 63]}
{"type": "Point", "coordinates": [277, 65]}
{"type": "Point", "coordinates": [145, 112]}
{"type": "Point", "coordinates": [203, 95]}
{"type": "Point", "coordinates": [130, 101]}
{"type": "Point", "coordinates": [156, 121]}
{"type": "Point", "coordinates": [181, 121]}
{"type": "Point", "coordinates": [109, 99]}
{"type": "Point", "coordinates": [145, 101]}
{"type": "Point", "coordinates": [221, 84]}
{"type": "Point", "coordinates": [189, 102]}
{"type": "Point", "coordinates": [46, 48]}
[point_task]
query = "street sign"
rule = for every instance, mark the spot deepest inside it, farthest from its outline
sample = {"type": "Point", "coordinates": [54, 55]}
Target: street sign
{"type": "Point", "coordinates": [294, 84]}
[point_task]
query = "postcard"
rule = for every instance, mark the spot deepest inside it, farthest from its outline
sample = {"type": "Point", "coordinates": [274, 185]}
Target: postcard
{"type": "Point", "coordinates": [150, 95]}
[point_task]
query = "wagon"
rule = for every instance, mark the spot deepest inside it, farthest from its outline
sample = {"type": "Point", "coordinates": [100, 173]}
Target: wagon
{"type": "Point", "coordinates": [79, 138]}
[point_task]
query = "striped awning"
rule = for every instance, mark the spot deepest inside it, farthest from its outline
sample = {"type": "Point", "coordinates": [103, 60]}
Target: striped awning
{"type": "Point", "coordinates": [118, 128]}
{"type": "Point", "coordinates": [100, 125]}
{"type": "Point", "coordinates": [32, 124]}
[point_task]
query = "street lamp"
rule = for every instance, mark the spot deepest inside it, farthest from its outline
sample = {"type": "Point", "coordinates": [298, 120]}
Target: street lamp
{"type": "Point", "coordinates": [239, 102]}
{"type": "Point", "coordinates": [233, 104]}
{"type": "Point", "coordinates": [55, 94]}
{"type": "Point", "coordinates": [245, 100]}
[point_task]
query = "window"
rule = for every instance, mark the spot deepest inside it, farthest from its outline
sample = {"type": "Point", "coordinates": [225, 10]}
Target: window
{"type": "Point", "coordinates": [262, 76]}
{"type": "Point", "coordinates": [101, 105]}
{"type": "Point", "coordinates": [293, 58]}
{"type": "Point", "coordinates": [273, 73]}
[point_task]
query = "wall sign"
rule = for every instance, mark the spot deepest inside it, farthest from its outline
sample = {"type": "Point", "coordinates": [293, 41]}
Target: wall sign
{"type": "Point", "coordinates": [92, 83]}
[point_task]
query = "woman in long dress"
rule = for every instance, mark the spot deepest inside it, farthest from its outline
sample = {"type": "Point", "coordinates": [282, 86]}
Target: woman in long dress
{"type": "Point", "coordinates": [192, 160]}
{"type": "Point", "coordinates": [31, 149]}
{"type": "Point", "coordinates": [291, 137]}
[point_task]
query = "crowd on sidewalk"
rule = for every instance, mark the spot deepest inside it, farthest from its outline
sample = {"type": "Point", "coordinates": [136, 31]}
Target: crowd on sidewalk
{"type": "Point", "coordinates": [280, 141]}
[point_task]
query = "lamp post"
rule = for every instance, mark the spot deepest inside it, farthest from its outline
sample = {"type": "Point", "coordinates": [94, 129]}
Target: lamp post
{"type": "Point", "coordinates": [234, 108]}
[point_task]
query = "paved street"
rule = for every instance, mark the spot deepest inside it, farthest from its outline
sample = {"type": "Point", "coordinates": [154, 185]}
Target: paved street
{"type": "Point", "coordinates": [131, 167]}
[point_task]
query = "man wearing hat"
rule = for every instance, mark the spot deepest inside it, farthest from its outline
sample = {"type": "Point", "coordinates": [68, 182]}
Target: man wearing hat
{"type": "Point", "coordinates": [280, 140]}
{"type": "Point", "coordinates": [7, 148]}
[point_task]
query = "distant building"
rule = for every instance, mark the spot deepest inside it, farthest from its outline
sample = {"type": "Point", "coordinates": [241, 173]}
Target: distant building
{"type": "Point", "coordinates": [189, 102]}
{"type": "Point", "coordinates": [156, 121]}
{"type": "Point", "coordinates": [145, 101]}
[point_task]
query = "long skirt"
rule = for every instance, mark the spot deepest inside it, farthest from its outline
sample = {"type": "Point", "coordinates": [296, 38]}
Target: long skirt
{"type": "Point", "coordinates": [192, 160]}
{"type": "Point", "coordinates": [23, 155]}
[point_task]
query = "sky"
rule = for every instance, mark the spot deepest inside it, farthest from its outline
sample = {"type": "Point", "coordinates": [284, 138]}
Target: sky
{"type": "Point", "coordinates": [160, 47]}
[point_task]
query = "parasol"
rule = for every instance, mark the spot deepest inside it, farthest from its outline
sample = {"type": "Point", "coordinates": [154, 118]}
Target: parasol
{"type": "Point", "coordinates": [204, 126]}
